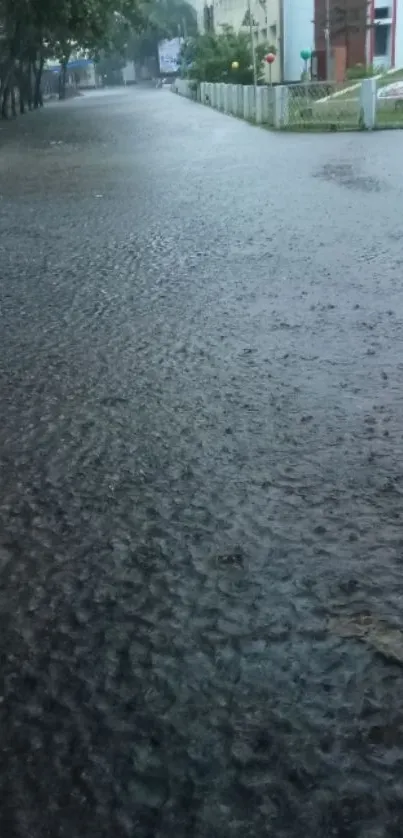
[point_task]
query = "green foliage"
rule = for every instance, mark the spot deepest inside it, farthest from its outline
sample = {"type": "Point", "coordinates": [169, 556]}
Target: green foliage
{"type": "Point", "coordinates": [360, 71]}
{"type": "Point", "coordinates": [108, 30]}
{"type": "Point", "coordinates": [171, 18]}
{"type": "Point", "coordinates": [210, 57]}
{"type": "Point", "coordinates": [135, 34]}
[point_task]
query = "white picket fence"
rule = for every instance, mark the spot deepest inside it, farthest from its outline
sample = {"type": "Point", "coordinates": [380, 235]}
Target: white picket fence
{"type": "Point", "coordinates": [235, 99]}
{"type": "Point", "coordinates": [288, 106]}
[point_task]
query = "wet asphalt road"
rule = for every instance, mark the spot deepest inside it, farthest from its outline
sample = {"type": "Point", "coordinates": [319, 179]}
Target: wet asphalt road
{"type": "Point", "coordinates": [201, 447]}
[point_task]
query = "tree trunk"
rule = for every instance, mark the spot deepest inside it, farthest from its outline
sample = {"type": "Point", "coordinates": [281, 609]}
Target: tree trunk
{"type": "Point", "coordinates": [38, 99]}
{"type": "Point", "coordinates": [29, 76]}
{"type": "Point", "coordinates": [22, 94]}
{"type": "Point", "coordinates": [5, 87]}
{"type": "Point", "coordinates": [62, 80]}
{"type": "Point", "coordinates": [8, 81]}
{"type": "Point", "coordinates": [4, 101]}
{"type": "Point", "coordinates": [13, 99]}
{"type": "Point", "coordinates": [21, 86]}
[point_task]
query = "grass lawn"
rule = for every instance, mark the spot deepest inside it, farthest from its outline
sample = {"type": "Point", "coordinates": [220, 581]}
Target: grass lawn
{"type": "Point", "coordinates": [332, 114]}
{"type": "Point", "coordinates": [353, 89]}
{"type": "Point", "coordinates": [388, 115]}
{"type": "Point", "coordinates": [397, 75]}
{"type": "Point", "coordinates": [310, 110]}
{"type": "Point", "coordinates": [343, 110]}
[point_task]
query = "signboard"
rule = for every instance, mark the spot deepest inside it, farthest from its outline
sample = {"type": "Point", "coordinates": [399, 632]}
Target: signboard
{"type": "Point", "coordinates": [168, 55]}
{"type": "Point", "coordinates": [391, 91]}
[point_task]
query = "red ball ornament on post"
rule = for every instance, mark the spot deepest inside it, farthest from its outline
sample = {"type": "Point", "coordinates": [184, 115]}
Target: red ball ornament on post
{"type": "Point", "coordinates": [269, 59]}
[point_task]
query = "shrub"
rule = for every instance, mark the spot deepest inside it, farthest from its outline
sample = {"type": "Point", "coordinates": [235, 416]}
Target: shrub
{"type": "Point", "coordinates": [360, 71]}
{"type": "Point", "coordinates": [210, 57]}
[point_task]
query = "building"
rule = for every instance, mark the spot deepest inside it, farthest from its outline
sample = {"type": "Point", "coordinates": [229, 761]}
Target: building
{"type": "Point", "coordinates": [298, 35]}
{"type": "Point", "coordinates": [361, 32]}
{"type": "Point", "coordinates": [369, 31]}
{"type": "Point", "coordinates": [385, 36]}
{"type": "Point", "coordinates": [346, 22]}
{"type": "Point", "coordinates": [80, 74]}
{"type": "Point", "coordinates": [265, 17]}
{"type": "Point", "coordinates": [286, 25]}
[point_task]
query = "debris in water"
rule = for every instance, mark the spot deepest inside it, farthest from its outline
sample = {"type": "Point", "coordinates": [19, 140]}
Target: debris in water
{"type": "Point", "coordinates": [384, 639]}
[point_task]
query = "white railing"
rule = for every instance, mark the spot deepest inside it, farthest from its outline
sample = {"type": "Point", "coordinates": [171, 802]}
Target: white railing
{"type": "Point", "coordinates": [311, 105]}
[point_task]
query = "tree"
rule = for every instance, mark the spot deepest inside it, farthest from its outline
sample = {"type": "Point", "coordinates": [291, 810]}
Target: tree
{"type": "Point", "coordinates": [171, 18]}
{"type": "Point", "coordinates": [32, 30]}
{"type": "Point", "coordinates": [211, 57]}
{"type": "Point", "coordinates": [137, 39]}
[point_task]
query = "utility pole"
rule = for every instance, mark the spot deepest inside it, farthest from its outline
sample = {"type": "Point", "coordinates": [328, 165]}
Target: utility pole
{"type": "Point", "coordinates": [252, 44]}
{"type": "Point", "coordinates": [327, 41]}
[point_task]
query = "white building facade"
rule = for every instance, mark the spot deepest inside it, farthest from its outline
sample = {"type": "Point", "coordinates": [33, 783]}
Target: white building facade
{"type": "Point", "coordinates": [289, 26]}
{"type": "Point", "coordinates": [286, 25]}
{"type": "Point", "coordinates": [298, 35]}
{"type": "Point", "coordinates": [385, 37]}
{"type": "Point", "coordinates": [399, 33]}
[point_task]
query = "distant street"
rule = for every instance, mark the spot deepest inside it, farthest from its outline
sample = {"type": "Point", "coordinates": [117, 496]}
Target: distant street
{"type": "Point", "coordinates": [201, 475]}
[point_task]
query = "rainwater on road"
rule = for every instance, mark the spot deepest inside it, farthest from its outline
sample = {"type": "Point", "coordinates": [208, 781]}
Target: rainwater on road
{"type": "Point", "coordinates": [201, 475]}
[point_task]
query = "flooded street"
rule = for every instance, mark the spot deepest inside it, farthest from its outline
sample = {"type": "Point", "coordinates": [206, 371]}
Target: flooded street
{"type": "Point", "coordinates": [201, 479]}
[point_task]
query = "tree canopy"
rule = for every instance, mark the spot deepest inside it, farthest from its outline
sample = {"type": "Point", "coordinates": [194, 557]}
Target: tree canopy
{"type": "Point", "coordinates": [224, 57]}
{"type": "Point", "coordinates": [161, 19]}
{"type": "Point", "coordinates": [33, 30]}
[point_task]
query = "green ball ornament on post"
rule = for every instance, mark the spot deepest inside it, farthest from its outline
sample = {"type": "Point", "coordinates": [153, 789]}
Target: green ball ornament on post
{"type": "Point", "coordinates": [305, 55]}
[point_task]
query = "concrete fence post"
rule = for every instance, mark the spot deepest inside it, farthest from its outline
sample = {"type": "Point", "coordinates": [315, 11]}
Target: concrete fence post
{"type": "Point", "coordinates": [227, 98]}
{"type": "Point", "coordinates": [368, 103]}
{"type": "Point", "coordinates": [270, 104]}
{"type": "Point", "coordinates": [221, 96]}
{"type": "Point", "coordinates": [259, 105]}
{"type": "Point", "coordinates": [252, 99]}
{"type": "Point", "coordinates": [281, 106]}
{"type": "Point", "coordinates": [245, 102]}
{"type": "Point", "coordinates": [266, 104]}
{"type": "Point", "coordinates": [218, 96]}
{"type": "Point", "coordinates": [213, 95]}
{"type": "Point", "coordinates": [203, 92]}
{"type": "Point", "coordinates": [237, 99]}
{"type": "Point", "coordinates": [234, 99]}
{"type": "Point", "coordinates": [263, 105]}
{"type": "Point", "coordinates": [248, 102]}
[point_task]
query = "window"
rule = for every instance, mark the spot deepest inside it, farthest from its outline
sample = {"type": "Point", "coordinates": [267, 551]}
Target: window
{"type": "Point", "coordinates": [381, 40]}
{"type": "Point", "coordinates": [382, 13]}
